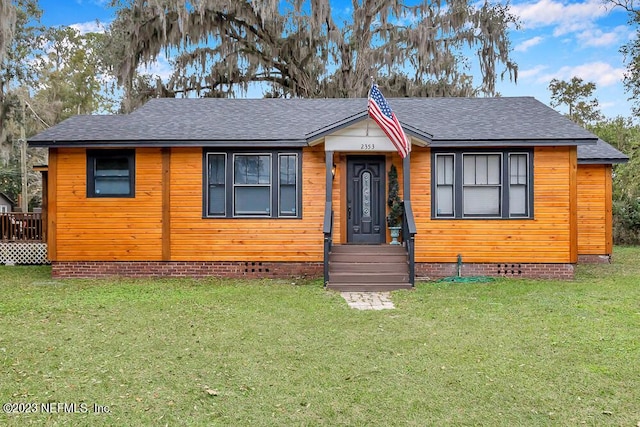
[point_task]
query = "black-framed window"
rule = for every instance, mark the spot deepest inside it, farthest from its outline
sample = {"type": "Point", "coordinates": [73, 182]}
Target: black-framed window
{"type": "Point", "coordinates": [288, 185]}
{"type": "Point", "coordinates": [111, 173]}
{"type": "Point", "coordinates": [216, 184]}
{"type": "Point", "coordinates": [249, 184]}
{"type": "Point", "coordinates": [482, 184]}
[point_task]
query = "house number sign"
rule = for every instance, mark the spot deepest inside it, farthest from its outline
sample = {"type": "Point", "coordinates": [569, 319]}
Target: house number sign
{"type": "Point", "coordinates": [355, 143]}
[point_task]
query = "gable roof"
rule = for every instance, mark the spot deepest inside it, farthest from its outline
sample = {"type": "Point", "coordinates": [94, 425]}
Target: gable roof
{"type": "Point", "coordinates": [7, 199]}
{"type": "Point", "coordinates": [296, 122]}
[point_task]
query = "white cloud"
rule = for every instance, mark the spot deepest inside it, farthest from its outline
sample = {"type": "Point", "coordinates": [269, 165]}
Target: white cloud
{"type": "Point", "coordinates": [606, 105]}
{"type": "Point", "coordinates": [597, 38]}
{"type": "Point", "coordinates": [566, 17]}
{"type": "Point", "coordinates": [532, 72]}
{"type": "Point", "coordinates": [601, 73]}
{"type": "Point", "coordinates": [525, 45]}
{"type": "Point", "coordinates": [89, 27]}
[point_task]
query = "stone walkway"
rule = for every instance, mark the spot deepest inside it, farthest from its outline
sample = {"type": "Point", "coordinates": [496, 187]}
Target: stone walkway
{"type": "Point", "coordinates": [368, 300]}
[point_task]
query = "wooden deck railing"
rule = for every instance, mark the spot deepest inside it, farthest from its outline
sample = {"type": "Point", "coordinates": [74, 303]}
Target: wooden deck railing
{"type": "Point", "coordinates": [21, 227]}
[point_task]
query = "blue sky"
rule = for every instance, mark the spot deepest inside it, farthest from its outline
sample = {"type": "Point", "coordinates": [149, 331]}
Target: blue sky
{"type": "Point", "coordinates": [557, 39]}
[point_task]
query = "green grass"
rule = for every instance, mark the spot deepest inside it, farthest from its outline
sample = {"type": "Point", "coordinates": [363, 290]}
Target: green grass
{"type": "Point", "coordinates": [220, 352]}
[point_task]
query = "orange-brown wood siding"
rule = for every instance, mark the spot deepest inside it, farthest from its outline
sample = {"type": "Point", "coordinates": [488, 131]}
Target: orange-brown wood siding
{"type": "Point", "coordinates": [132, 228]}
{"type": "Point", "coordinates": [106, 229]}
{"type": "Point", "coordinates": [594, 210]}
{"type": "Point", "coordinates": [52, 208]}
{"type": "Point", "coordinates": [194, 238]}
{"type": "Point", "coordinates": [546, 238]}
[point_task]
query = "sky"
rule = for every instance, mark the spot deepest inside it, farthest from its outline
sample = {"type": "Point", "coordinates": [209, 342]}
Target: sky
{"type": "Point", "coordinates": [557, 39]}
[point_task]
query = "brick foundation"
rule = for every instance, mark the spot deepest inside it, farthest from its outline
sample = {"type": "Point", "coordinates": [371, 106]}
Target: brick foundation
{"type": "Point", "coordinates": [594, 259]}
{"type": "Point", "coordinates": [530, 271]}
{"type": "Point", "coordinates": [248, 270]}
{"type": "Point", "coordinates": [254, 270]}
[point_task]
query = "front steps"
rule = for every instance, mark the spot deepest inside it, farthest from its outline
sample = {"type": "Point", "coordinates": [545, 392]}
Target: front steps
{"type": "Point", "coordinates": [368, 268]}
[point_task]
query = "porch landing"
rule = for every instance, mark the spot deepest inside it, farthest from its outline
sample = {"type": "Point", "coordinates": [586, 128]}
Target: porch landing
{"type": "Point", "coordinates": [368, 268]}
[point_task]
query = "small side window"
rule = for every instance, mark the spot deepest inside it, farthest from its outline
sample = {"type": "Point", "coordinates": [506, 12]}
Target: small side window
{"type": "Point", "coordinates": [288, 167]}
{"type": "Point", "coordinates": [111, 173]}
{"type": "Point", "coordinates": [217, 193]}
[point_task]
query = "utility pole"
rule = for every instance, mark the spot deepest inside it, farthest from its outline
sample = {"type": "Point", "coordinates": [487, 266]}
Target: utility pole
{"type": "Point", "coordinates": [23, 159]}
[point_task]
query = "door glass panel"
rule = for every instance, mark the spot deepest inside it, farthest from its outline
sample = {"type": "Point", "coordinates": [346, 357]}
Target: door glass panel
{"type": "Point", "coordinates": [366, 194]}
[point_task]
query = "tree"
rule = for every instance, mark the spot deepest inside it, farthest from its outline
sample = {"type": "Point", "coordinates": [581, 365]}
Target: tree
{"type": "Point", "coordinates": [20, 38]}
{"type": "Point", "coordinates": [625, 136]}
{"type": "Point", "coordinates": [7, 25]}
{"type": "Point", "coordinates": [575, 95]}
{"type": "Point", "coordinates": [631, 52]}
{"type": "Point", "coordinates": [300, 48]}
{"type": "Point", "coordinates": [70, 75]}
{"type": "Point", "coordinates": [46, 75]}
{"type": "Point", "coordinates": [15, 68]}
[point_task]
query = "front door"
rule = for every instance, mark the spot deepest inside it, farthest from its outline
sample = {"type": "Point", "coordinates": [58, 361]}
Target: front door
{"type": "Point", "coordinates": [366, 199]}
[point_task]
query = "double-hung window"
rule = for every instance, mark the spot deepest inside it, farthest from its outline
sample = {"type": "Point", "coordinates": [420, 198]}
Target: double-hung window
{"type": "Point", "coordinates": [247, 184]}
{"type": "Point", "coordinates": [252, 184]}
{"type": "Point", "coordinates": [491, 184]}
{"type": "Point", "coordinates": [481, 184]}
{"type": "Point", "coordinates": [111, 173]}
{"type": "Point", "coordinates": [519, 184]}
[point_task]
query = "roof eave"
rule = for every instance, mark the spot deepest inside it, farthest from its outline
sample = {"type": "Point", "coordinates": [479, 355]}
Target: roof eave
{"type": "Point", "coordinates": [603, 161]}
{"type": "Point", "coordinates": [448, 143]}
{"type": "Point", "coordinates": [172, 143]}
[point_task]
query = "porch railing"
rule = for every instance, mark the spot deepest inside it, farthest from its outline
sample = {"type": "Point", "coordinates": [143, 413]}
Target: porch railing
{"type": "Point", "coordinates": [21, 227]}
{"type": "Point", "coordinates": [327, 229]}
{"type": "Point", "coordinates": [408, 236]}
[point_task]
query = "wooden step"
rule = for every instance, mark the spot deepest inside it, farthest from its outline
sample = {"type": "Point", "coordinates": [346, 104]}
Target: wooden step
{"type": "Point", "coordinates": [370, 258]}
{"type": "Point", "coordinates": [368, 249]}
{"type": "Point", "coordinates": [368, 268]}
{"type": "Point", "coordinates": [367, 287]}
{"type": "Point", "coordinates": [371, 277]}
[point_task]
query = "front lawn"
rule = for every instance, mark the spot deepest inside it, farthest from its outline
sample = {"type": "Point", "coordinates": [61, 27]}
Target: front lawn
{"type": "Point", "coordinates": [221, 352]}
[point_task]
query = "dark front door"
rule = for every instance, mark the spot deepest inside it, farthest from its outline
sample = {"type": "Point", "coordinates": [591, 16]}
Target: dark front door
{"type": "Point", "coordinates": [365, 199]}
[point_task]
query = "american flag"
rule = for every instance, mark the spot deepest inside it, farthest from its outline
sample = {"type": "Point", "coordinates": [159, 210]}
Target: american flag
{"type": "Point", "coordinates": [381, 113]}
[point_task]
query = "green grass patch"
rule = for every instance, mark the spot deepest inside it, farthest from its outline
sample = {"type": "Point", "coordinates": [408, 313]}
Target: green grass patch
{"type": "Point", "coordinates": [222, 352]}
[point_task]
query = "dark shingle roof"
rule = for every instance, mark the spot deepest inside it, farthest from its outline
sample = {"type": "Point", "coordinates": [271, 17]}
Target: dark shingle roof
{"type": "Point", "coordinates": [600, 153]}
{"type": "Point", "coordinates": [205, 122]}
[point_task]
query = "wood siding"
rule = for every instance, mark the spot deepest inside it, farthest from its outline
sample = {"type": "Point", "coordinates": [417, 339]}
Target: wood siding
{"type": "Point", "coordinates": [546, 238]}
{"type": "Point", "coordinates": [194, 238]}
{"type": "Point", "coordinates": [140, 229]}
{"type": "Point", "coordinates": [105, 229]}
{"type": "Point", "coordinates": [594, 210]}
{"type": "Point", "coordinates": [128, 229]}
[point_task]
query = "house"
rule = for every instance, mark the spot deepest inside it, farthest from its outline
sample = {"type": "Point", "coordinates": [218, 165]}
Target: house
{"type": "Point", "coordinates": [6, 203]}
{"type": "Point", "coordinates": [286, 187]}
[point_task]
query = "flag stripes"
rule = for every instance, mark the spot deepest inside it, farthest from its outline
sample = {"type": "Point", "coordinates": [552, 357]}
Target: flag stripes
{"type": "Point", "coordinates": [380, 112]}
